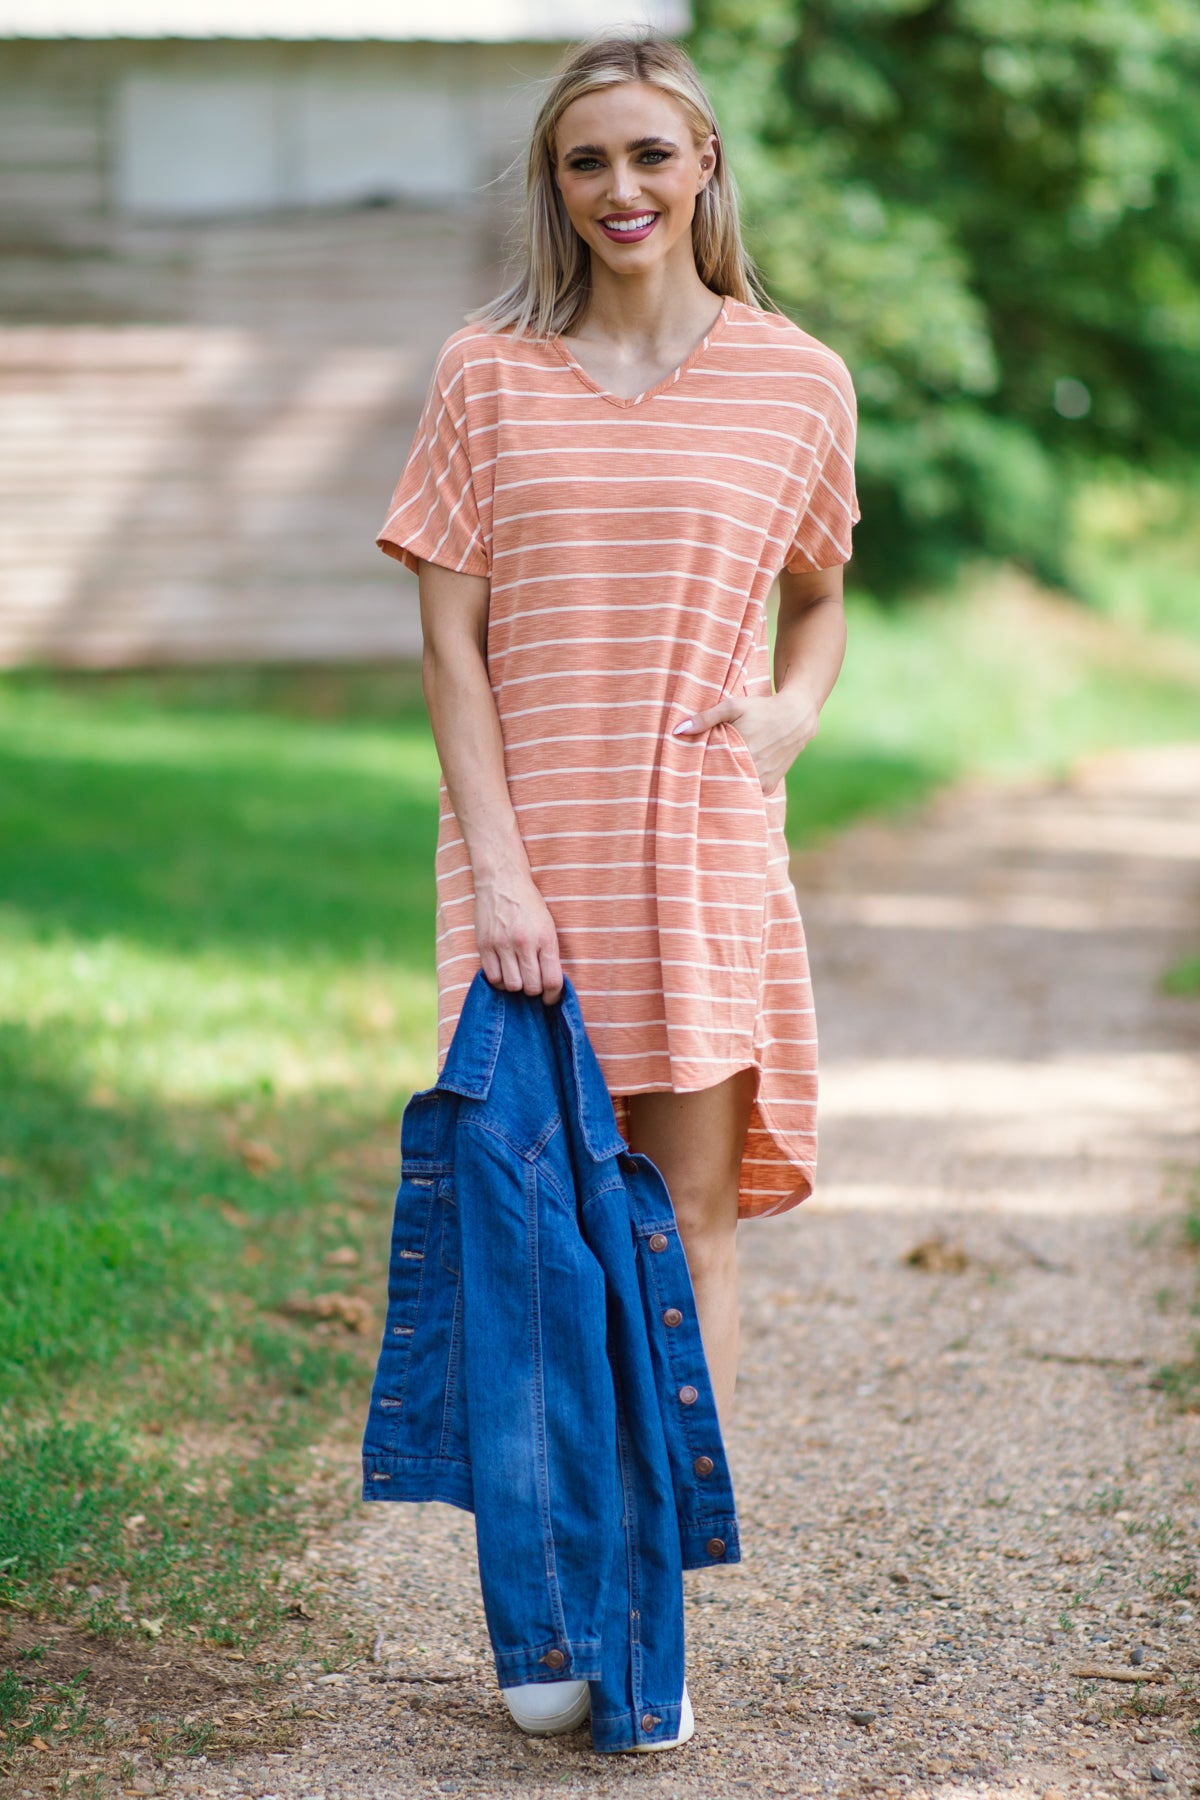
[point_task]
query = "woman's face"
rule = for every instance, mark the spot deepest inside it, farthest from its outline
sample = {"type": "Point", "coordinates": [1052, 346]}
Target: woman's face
{"type": "Point", "coordinates": [629, 171]}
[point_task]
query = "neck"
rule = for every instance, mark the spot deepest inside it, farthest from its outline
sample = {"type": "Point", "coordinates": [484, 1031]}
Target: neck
{"type": "Point", "coordinates": [666, 303]}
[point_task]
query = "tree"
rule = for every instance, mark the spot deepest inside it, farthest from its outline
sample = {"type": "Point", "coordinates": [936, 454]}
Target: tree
{"type": "Point", "coordinates": [992, 209]}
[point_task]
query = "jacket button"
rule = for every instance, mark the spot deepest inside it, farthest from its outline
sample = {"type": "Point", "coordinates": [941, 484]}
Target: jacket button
{"type": "Point", "coordinates": [715, 1546]}
{"type": "Point", "coordinates": [672, 1316]}
{"type": "Point", "coordinates": [649, 1721]}
{"type": "Point", "coordinates": [658, 1241]}
{"type": "Point", "coordinates": [688, 1396]}
{"type": "Point", "coordinates": [554, 1659]}
{"type": "Point", "coordinates": [703, 1465]}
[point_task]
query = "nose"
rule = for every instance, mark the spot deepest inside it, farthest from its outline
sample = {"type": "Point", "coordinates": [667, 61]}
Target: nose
{"type": "Point", "coordinates": [623, 186]}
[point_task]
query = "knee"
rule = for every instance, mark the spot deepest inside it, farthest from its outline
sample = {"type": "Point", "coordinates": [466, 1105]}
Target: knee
{"type": "Point", "coordinates": [707, 1219]}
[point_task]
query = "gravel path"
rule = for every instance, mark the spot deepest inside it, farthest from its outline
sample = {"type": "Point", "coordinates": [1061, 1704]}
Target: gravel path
{"type": "Point", "coordinates": [959, 1486]}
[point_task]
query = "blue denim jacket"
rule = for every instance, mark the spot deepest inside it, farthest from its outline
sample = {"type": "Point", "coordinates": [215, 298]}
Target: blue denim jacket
{"type": "Point", "coordinates": [542, 1365]}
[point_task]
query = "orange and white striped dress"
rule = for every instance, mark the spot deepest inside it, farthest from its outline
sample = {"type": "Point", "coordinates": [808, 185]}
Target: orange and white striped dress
{"type": "Point", "coordinates": [630, 547]}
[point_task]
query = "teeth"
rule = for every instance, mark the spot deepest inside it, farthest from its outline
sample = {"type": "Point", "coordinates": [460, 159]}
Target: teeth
{"type": "Point", "coordinates": [629, 224]}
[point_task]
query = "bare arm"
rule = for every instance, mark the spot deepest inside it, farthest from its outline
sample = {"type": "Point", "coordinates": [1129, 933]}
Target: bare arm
{"type": "Point", "coordinates": [810, 642]}
{"type": "Point", "coordinates": [518, 945]}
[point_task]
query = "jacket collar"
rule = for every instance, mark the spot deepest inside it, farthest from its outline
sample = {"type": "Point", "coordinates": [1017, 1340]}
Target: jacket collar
{"type": "Point", "coordinates": [475, 1049]}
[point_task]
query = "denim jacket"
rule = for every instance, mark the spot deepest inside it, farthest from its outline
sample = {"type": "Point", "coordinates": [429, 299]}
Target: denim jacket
{"type": "Point", "coordinates": [542, 1365]}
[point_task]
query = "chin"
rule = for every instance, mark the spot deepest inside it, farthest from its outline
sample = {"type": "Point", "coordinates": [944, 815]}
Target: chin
{"type": "Point", "coordinates": [634, 259]}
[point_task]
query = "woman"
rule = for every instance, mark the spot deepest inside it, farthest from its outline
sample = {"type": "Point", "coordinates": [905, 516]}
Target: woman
{"type": "Point", "coordinates": [616, 461]}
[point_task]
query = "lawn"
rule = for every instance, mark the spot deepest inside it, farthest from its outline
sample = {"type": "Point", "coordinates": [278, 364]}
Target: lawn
{"type": "Point", "coordinates": [216, 992]}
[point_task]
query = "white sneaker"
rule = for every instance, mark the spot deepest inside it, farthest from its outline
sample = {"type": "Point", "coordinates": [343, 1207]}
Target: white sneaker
{"type": "Point", "coordinates": [544, 1708]}
{"type": "Point", "coordinates": [687, 1726]}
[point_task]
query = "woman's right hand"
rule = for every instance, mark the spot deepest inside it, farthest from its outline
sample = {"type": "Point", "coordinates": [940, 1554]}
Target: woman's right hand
{"type": "Point", "coordinates": [518, 943]}
{"type": "Point", "coordinates": [515, 935]}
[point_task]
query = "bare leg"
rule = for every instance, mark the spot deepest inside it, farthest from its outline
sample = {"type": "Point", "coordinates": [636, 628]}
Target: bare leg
{"type": "Point", "coordinates": [696, 1142]}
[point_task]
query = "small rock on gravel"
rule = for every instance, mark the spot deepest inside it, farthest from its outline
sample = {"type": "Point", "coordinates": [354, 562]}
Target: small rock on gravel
{"type": "Point", "coordinates": [862, 1715]}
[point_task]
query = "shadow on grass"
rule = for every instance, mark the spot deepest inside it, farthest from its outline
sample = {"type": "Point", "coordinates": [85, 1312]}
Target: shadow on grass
{"type": "Point", "coordinates": [260, 845]}
{"type": "Point", "coordinates": [285, 813]}
{"type": "Point", "coordinates": [161, 1360]}
{"type": "Point", "coordinates": [130, 1235]}
{"type": "Point", "coordinates": [153, 1366]}
{"type": "Point", "coordinates": [336, 693]}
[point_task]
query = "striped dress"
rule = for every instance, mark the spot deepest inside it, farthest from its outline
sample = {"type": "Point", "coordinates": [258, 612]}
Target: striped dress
{"type": "Point", "coordinates": [630, 547]}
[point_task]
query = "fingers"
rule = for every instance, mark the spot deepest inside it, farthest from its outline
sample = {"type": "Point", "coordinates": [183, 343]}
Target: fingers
{"type": "Point", "coordinates": [526, 966]}
{"type": "Point", "coordinates": [518, 944]}
{"type": "Point", "coordinates": [540, 968]}
{"type": "Point", "coordinates": [511, 976]}
{"type": "Point", "coordinates": [530, 968]}
{"type": "Point", "coordinates": [552, 975]}
{"type": "Point", "coordinates": [721, 714]}
{"type": "Point", "coordinates": [517, 967]}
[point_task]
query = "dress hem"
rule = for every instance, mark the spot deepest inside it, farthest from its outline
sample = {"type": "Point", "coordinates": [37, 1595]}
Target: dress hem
{"type": "Point", "coordinates": [755, 1205]}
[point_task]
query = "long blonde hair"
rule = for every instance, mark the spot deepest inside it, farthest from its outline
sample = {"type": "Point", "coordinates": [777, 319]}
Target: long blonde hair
{"type": "Point", "coordinates": [551, 292]}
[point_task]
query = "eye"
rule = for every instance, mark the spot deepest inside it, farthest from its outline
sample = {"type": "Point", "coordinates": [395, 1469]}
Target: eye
{"type": "Point", "coordinates": [585, 164]}
{"type": "Point", "coordinates": [655, 156]}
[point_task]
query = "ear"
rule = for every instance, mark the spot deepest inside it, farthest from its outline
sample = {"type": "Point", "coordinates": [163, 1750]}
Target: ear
{"type": "Point", "coordinates": [708, 161]}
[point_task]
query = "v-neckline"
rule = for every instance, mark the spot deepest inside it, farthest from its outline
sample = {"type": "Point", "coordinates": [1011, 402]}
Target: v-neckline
{"type": "Point", "coordinates": [669, 380]}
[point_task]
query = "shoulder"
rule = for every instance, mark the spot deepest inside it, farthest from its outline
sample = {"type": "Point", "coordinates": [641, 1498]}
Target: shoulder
{"type": "Point", "coordinates": [472, 354]}
{"type": "Point", "coordinates": [459, 352]}
{"type": "Point", "coordinates": [769, 340]}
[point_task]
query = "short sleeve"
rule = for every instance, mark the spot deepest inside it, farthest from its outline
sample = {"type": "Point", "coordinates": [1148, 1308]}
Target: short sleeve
{"type": "Point", "coordinates": [434, 515]}
{"type": "Point", "coordinates": [823, 529]}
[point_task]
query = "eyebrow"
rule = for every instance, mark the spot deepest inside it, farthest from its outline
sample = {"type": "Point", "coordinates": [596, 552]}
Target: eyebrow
{"type": "Point", "coordinates": [642, 143]}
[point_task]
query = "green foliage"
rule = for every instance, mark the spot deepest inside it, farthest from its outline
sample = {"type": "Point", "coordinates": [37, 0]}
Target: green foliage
{"type": "Point", "coordinates": [992, 209]}
{"type": "Point", "coordinates": [941, 688]}
{"type": "Point", "coordinates": [1183, 978]}
{"type": "Point", "coordinates": [1135, 549]}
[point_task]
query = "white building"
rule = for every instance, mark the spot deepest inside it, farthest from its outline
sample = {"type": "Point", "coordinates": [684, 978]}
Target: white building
{"type": "Point", "coordinates": [236, 231]}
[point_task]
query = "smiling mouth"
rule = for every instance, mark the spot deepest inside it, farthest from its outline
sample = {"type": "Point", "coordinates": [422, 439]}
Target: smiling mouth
{"type": "Point", "coordinates": [631, 229]}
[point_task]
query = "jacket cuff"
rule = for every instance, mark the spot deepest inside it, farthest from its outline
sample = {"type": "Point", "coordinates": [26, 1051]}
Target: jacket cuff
{"type": "Point", "coordinates": [711, 1540]}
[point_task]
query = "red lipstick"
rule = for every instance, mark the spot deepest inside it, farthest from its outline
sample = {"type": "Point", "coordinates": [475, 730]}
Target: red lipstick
{"type": "Point", "coordinates": [620, 228]}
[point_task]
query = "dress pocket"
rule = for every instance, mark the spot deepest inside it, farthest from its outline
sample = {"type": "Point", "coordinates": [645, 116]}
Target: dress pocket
{"type": "Point", "coordinates": [741, 751]}
{"type": "Point", "coordinates": [732, 840]}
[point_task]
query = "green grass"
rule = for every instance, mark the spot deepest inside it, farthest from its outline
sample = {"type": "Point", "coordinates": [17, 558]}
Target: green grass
{"type": "Point", "coordinates": [1183, 978]}
{"type": "Point", "coordinates": [1010, 683]}
{"type": "Point", "coordinates": [216, 992]}
{"type": "Point", "coordinates": [1181, 1380]}
{"type": "Point", "coordinates": [63, 1710]}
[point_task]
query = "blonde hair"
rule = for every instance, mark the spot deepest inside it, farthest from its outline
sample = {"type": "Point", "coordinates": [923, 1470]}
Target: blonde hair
{"type": "Point", "coordinates": [551, 292]}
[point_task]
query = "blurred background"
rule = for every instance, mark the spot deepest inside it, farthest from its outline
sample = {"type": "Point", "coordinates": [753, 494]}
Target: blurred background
{"type": "Point", "coordinates": [235, 233]}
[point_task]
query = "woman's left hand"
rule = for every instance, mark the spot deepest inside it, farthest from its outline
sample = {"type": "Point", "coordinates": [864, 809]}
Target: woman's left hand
{"type": "Point", "coordinates": [774, 727]}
